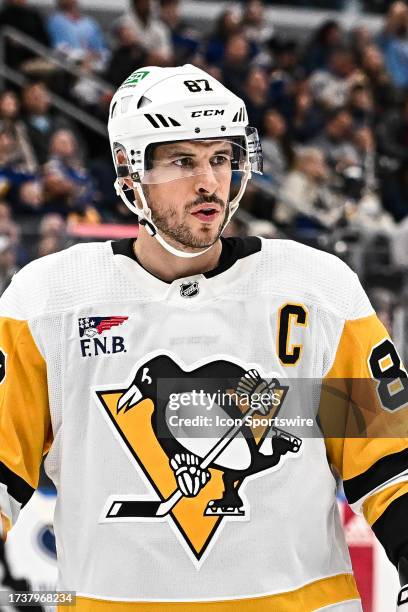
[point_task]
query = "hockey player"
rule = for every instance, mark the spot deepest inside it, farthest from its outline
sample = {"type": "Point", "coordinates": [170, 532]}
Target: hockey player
{"type": "Point", "coordinates": [139, 364]}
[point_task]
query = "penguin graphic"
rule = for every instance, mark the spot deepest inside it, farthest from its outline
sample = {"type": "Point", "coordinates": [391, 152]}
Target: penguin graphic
{"type": "Point", "coordinates": [234, 450]}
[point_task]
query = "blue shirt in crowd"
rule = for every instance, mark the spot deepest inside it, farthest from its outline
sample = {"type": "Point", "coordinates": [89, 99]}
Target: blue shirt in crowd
{"type": "Point", "coordinates": [82, 34]}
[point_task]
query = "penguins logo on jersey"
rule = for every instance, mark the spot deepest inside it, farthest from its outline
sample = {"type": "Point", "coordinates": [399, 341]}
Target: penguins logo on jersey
{"type": "Point", "coordinates": [197, 454]}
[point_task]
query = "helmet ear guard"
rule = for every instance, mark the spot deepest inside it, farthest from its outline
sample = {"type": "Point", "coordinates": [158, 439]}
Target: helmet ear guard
{"type": "Point", "coordinates": [121, 161]}
{"type": "Point", "coordinates": [122, 170]}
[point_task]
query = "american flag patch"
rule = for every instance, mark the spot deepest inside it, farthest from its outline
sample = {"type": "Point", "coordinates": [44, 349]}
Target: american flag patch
{"type": "Point", "coordinates": [92, 326]}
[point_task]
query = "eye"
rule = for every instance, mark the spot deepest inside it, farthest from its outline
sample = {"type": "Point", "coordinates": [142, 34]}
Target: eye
{"type": "Point", "coordinates": [220, 160]}
{"type": "Point", "coordinates": [183, 162]}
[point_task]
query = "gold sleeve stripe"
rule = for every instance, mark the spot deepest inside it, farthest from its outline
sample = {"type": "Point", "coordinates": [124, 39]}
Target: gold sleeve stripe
{"type": "Point", "coordinates": [24, 411]}
{"type": "Point", "coordinates": [375, 505]}
{"type": "Point", "coordinates": [316, 595]}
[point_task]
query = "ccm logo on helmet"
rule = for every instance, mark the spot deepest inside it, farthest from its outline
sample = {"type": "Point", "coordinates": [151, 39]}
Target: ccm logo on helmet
{"type": "Point", "coordinates": [208, 112]}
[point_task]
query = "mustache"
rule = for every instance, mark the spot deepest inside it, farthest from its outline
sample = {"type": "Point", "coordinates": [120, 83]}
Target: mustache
{"type": "Point", "coordinates": [206, 199]}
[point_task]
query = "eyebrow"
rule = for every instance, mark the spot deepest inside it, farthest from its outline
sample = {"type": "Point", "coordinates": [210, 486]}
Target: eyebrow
{"type": "Point", "coordinates": [184, 153]}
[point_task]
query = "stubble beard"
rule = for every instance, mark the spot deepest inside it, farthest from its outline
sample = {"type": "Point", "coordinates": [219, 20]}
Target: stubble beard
{"type": "Point", "coordinates": [181, 234]}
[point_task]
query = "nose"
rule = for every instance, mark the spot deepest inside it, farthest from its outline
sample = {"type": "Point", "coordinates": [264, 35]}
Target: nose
{"type": "Point", "coordinates": [205, 181]}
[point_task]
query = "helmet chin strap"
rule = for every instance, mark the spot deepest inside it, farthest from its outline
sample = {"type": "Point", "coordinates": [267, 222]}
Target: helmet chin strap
{"type": "Point", "coordinates": [145, 214]}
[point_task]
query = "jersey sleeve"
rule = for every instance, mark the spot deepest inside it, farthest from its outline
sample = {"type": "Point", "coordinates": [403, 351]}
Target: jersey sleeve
{"type": "Point", "coordinates": [25, 424]}
{"type": "Point", "coordinates": [364, 417]}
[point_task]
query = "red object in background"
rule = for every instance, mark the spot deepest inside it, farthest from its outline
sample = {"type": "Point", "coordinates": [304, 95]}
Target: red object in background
{"type": "Point", "coordinates": [109, 231]}
{"type": "Point", "coordinates": [360, 540]}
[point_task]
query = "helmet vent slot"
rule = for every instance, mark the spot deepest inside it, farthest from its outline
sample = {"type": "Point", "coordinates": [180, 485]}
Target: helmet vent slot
{"type": "Point", "coordinates": [124, 104]}
{"type": "Point", "coordinates": [143, 102]}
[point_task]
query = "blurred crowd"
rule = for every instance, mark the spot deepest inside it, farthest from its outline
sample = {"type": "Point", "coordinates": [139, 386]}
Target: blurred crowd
{"type": "Point", "coordinates": [332, 113]}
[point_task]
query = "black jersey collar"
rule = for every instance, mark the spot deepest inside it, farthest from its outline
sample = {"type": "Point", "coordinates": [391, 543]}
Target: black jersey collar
{"type": "Point", "coordinates": [233, 249]}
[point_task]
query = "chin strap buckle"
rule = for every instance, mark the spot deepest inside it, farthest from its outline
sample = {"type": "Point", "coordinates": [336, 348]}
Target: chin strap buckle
{"type": "Point", "coordinates": [402, 598]}
{"type": "Point", "coordinates": [149, 227]}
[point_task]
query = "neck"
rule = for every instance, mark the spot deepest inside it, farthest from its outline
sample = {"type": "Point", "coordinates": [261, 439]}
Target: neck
{"type": "Point", "coordinates": [159, 262]}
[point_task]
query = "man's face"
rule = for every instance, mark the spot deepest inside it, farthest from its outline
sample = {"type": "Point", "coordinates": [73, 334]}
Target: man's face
{"type": "Point", "coordinates": [68, 5]}
{"type": "Point", "coordinates": [188, 191]}
{"type": "Point", "coordinates": [142, 7]}
{"type": "Point", "coordinates": [339, 127]}
{"type": "Point", "coordinates": [397, 18]}
{"type": "Point", "coordinates": [36, 99]}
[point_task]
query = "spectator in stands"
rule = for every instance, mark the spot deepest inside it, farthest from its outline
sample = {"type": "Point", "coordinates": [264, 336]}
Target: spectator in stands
{"type": "Point", "coordinates": [304, 117]}
{"type": "Point", "coordinates": [277, 149]}
{"type": "Point", "coordinates": [52, 235]}
{"type": "Point", "coordinates": [328, 37]}
{"type": "Point", "coordinates": [29, 203]}
{"type": "Point", "coordinates": [361, 37]}
{"type": "Point", "coordinates": [28, 20]}
{"type": "Point", "coordinates": [399, 244]}
{"type": "Point", "coordinates": [234, 67]}
{"type": "Point", "coordinates": [335, 141]}
{"type": "Point", "coordinates": [330, 87]}
{"type": "Point", "coordinates": [68, 184]}
{"type": "Point", "coordinates": [286, 74]}
{"type": "Point", "coordinates": [9, 105]}
{"type": "Point", "coordinates": [128, 55]}
{"type": "Point", "coordinates": [304, 196]}
{"type": "Point", "coordinates": [14, 169]}
{"type": "Point", "coordinates": [255, 93]}
{"type": "Point", "coordinates": [384, 302]}
{"type": "Point", "coordinates": [8, 262]}
{"type": "Point", "coordinates": [286, 58]}
{"type": "Point", "coordinates": [364, 142]}
{"type": "Point", "coordinates": [53, 225]}
{"type": "Point", "coordinates": [255, 27]}
{"type": "Point", "coordinates": [150, 31]}
{"type": "Point", "coordinates": [48, 245]}
{"type": "Point", "coordinates": [5, 213]}
{"type": "Point", "coordinates": [184, 38]}
{"type": "Point", "coordinates": [39, 119]}
{"type": "Point", "coordinates": [368, 213]}
{"type": "Point", "coordinates": [392, 139]}
{"type": "Point", "coordinates": [6, 220]}
{"type": "Point", "coordinates": [12, 231]}
{"type": "Point", "coordinates": [360, 105]}
{"type": "Point", "coordinates": [228, 23]}
{"type": "Point", "coordinates": [382, 87]}
{"type": "Point", "coordinates": [77, 35]}
{"type": "Point", "coordinates": [393, 41]}
{"type": "Point", "coordinates": [22, 153]}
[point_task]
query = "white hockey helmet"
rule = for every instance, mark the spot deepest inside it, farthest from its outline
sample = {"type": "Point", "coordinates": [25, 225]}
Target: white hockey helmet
{"type": "Point", "coordinates": [162, 105]}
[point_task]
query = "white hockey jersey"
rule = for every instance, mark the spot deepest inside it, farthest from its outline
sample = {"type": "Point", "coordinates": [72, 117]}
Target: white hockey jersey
{"type": "Point", "coordinates": [99, 365]}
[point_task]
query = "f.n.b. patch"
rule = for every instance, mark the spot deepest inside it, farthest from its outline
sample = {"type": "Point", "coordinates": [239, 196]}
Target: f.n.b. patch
{"type": "Point", "coordinates": [93, 338]}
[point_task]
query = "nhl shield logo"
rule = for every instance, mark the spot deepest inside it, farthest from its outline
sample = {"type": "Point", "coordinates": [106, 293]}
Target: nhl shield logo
{"type": "Point", "coordinates": [190, 289]}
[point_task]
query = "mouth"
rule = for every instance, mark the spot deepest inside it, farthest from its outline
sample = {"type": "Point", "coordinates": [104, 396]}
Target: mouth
{"type": "Point", "coordinates": [207, 213]}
